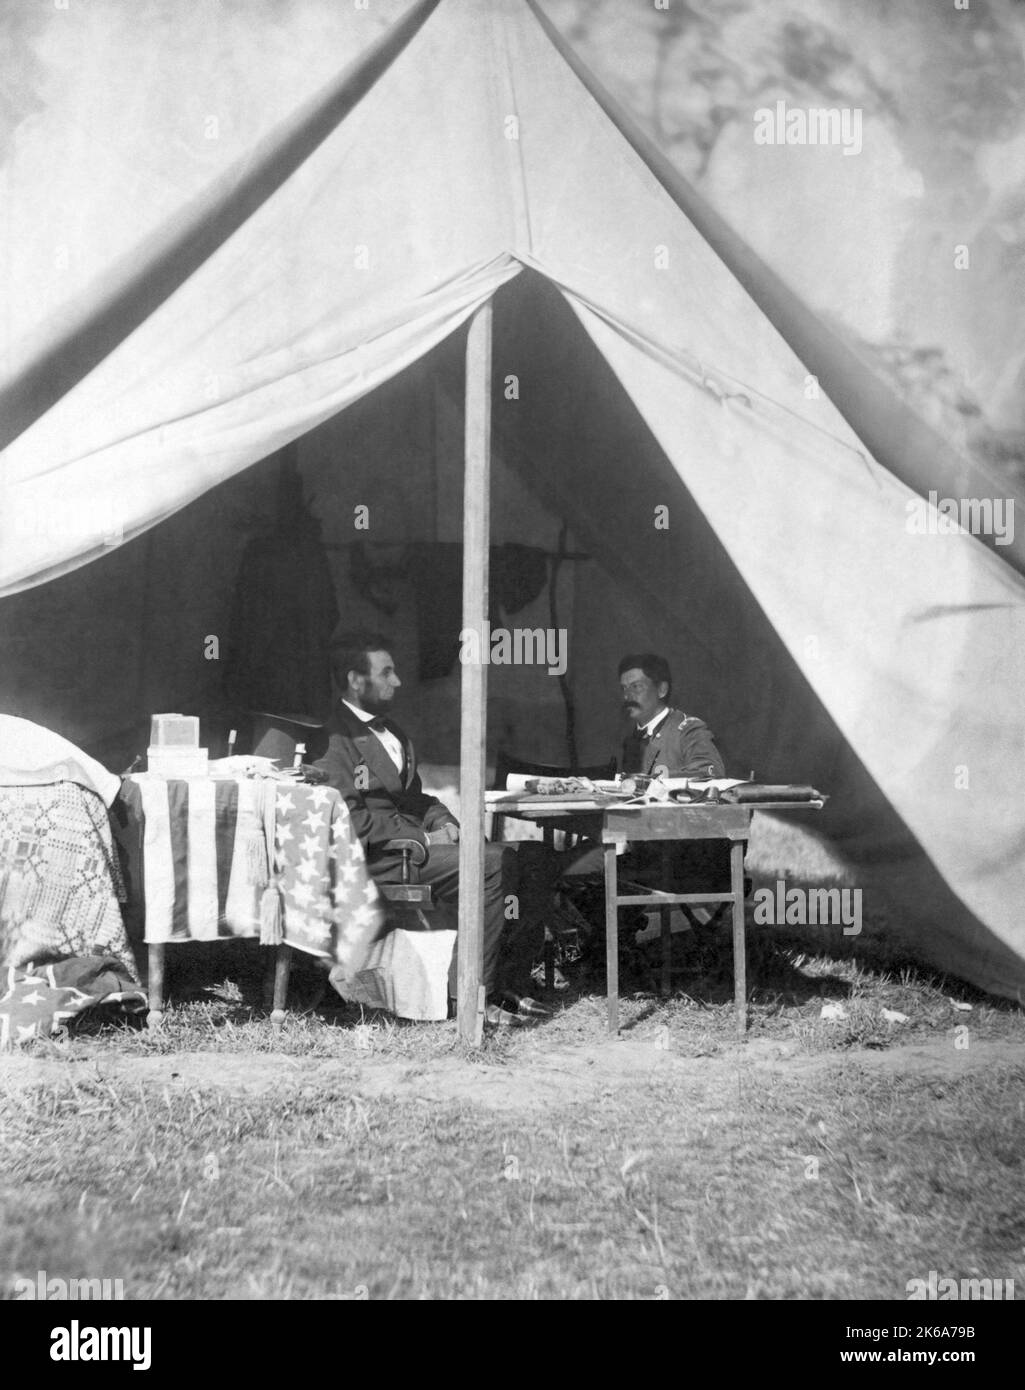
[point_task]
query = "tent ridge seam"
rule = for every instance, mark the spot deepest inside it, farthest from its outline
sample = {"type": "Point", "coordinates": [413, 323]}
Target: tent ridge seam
{"type": "Point", "coordinates": [521, 209]}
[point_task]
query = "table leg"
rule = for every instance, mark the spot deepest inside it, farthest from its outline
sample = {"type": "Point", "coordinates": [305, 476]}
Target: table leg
{"type": "Point", "coordinates": [282, 967]}
{"type": "Point", "coordinates": [666, 915]}
{"type": "Point", "coordinates": [612, 938]}
{"type": "Point", "coordinates": [739, 945]}
{"type": "Point", "coordinates": [155, 985]}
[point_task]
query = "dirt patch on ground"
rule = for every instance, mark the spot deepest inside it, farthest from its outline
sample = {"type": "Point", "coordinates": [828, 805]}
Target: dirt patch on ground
{"type": "Point", "coordinates": [543, 1078]}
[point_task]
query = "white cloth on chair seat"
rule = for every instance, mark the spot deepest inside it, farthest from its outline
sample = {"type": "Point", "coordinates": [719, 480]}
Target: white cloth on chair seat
{"type": "Point", "coordinates": [405, 973]}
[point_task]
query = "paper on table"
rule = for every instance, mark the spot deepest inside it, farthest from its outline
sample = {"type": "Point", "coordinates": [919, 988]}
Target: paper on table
{"type": "Point", "coordinates": [530, 784]}
{"type": "Point", "coordinates": [247, 765]}
{"type": "Point", "coordinates": [517, 782]}
{"type": "Point", "coordinates": [679, 784]}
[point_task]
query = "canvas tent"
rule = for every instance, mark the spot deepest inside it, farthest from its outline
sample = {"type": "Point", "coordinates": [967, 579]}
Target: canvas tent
{"type": "Point", "coordinates": [315, 293]}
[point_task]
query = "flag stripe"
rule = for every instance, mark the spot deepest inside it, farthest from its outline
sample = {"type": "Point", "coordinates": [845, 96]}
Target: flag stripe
{"type": "Point", "coordinates": [242, 908]}
{"type": "Point", "coordinates": [201, 890]}
{"type": "Point", "coordinates": [158, 860]}
{"type": "Point", "coordinates": [178, 809]}
{"type": "Point", "coordinates": [225, 820]}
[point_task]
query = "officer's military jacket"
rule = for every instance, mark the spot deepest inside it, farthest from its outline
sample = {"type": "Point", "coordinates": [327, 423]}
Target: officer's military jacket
{"type": "Point", "coordinates": [680, 746]}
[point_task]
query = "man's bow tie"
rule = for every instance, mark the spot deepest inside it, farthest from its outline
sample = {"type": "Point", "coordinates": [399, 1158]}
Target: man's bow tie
{"type": "Point", "coordinates": [378, 725]}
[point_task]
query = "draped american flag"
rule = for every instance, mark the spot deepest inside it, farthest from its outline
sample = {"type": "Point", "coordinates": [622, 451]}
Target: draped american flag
{"type": "Point", "coordinates": [216, 855]}
{"type": "Point", "coordinates": [37, 1000]}
{"type": "Point", "coordinates": [329, 898]}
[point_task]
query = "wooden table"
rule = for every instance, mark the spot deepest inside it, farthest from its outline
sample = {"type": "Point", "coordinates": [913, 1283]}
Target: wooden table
{"type": "Point", "coordinates": [615, 823]}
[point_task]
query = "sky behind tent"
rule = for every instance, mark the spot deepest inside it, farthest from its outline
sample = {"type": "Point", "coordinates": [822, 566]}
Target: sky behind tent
{"type": "Point", "coordinates": [867, 239]}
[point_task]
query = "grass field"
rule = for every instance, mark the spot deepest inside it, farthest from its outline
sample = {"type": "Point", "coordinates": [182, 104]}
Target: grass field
{"type": "Point", "coordinates": [351, 1156]}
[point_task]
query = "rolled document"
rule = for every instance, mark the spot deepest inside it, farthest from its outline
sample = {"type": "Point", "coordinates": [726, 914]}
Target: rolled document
{"type": "Point", "coordinates": [753, 792]}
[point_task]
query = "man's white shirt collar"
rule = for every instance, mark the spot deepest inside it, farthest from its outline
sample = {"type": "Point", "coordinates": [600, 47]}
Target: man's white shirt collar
{"type": "Point", "coordinates": [649, 728]}
{"type": "Point", "coordinates": [391, 743]}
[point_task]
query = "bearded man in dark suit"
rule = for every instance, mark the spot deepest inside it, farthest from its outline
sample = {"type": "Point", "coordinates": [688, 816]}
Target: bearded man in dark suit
{"type": "Point", "coordinates": [371, 761]}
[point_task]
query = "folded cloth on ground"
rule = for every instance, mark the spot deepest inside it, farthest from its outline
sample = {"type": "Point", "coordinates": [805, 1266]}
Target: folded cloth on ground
{"type": "Point", "coordinates": [31, 756]}
{"type": "Point", "coordinates": [405, 972]}
{"type": "Point", "coordinates": [37, 1001]}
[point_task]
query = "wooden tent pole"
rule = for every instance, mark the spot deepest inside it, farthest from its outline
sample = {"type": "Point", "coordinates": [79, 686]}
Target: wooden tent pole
{"type": "Point", "coordinates": [474, 689]}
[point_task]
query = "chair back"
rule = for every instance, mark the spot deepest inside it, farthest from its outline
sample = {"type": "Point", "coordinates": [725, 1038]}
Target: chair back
{"type": "Point", "coordinates": [276, 736]}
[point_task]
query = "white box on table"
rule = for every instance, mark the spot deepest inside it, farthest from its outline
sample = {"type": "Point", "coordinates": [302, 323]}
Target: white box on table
{"type": "Point", "coordinates": [177, 762]}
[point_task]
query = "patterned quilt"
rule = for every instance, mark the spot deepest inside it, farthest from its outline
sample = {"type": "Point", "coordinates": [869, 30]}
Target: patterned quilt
{"type": "Point", "coordinates": [63, 946]}
{"type": "Point", "coordinates": [60, 884]}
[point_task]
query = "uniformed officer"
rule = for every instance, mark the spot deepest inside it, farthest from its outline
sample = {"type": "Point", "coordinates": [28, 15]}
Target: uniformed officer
{"type": "Point", "coordinates": [662, 740]}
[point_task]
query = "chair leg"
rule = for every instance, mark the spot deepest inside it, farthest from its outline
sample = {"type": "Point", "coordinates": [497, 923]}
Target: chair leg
{"type": "Point", "coordinates": [282, 966]}
{"type": "Point", "coordinates": [549, 959]}
{"type": "Point", "coordinates": [666, 914]}
{"type": "Point", "coordinates": [155, 986]}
